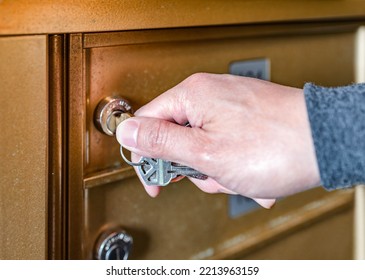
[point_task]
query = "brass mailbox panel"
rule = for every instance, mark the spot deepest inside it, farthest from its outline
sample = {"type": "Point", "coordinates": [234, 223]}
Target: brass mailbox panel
{"type": "Point", "coordinates": [183, 222]}
{"type": "Point", "coordinates": [23, 164]}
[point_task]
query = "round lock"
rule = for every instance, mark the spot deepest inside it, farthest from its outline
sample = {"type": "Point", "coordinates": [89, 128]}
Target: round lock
{"type": "Point", "coordinates": [106, 112]}
{"type": "Point", "coordinates": [113, 245]}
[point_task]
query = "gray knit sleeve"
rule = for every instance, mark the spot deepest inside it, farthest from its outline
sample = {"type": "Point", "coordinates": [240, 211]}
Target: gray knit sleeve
{"type": "Point", "coordinates": [337, 119]}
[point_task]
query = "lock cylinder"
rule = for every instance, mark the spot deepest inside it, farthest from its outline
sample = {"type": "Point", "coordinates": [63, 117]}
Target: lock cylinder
{"type": "Point", "coordinates": [113, 244]}
{"type": "Point", "coordinates": [110, 112]}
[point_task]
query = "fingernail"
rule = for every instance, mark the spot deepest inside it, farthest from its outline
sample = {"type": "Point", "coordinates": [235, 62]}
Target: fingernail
{"type": "Point", "coordinates": [127, 132]}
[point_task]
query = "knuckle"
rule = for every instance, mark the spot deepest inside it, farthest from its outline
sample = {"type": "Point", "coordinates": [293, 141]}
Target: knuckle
{"type": "Point", "coordinates": [204, 152]}
{"type": "Point", "coordinates": [194, 87]}
{"type": "Point", "coordinates": [197, 79]}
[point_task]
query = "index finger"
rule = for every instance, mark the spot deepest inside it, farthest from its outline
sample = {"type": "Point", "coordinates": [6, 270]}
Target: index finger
{"type": "Point", "coordinates": [168, 106]}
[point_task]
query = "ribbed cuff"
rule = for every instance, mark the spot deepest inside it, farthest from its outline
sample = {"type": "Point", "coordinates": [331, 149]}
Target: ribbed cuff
{"type": "Point", "coordinates": [337, 120]}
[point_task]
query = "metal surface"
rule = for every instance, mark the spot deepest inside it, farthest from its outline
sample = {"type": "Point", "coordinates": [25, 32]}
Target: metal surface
{"type": "Point", "coordinates": [159, 172]}
{"type": "Point", "coordinates": [75, 149]}
{"type": "Point", "coordinates": [57, 149]}
{"type": "Point", "coordinates": [139, 163]}
{"type": "Point", "coordinates": [38, 16]}
{"type": "Point", "coordinates": [144, 64]}
{"type": "Point", "coordinates": [254, 68]}
{"type": "Point", "coordinates": [107, 112]}
{"type": "Point", "coordinates": [113, 244]}
{"type": "Point", "coordinates": [240, 205]}
{"type": "Point", "coordinates": [140, 72]}
{"type": "Point", "coordinates": [23, 147]}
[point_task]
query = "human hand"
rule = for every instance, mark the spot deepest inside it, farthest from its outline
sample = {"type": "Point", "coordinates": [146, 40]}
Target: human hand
{"type": "Point", "coordinates": [251, 137]}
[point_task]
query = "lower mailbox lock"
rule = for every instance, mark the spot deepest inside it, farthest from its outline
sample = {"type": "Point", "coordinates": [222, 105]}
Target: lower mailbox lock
{"type": "Point", "coordinates": [114, 244]}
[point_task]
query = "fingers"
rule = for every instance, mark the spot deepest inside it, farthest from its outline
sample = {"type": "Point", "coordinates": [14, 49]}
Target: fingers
{"type": "Point", "coordinates": [266, 203]}
{"type": "Point", "coordinates": [211, 186]}
{"type": "Point", "coordinates": [179, 104]}
{"type": "Point", "coordinates": [158, 138]}
{"type": "Point", "coordinates": [170, 106]}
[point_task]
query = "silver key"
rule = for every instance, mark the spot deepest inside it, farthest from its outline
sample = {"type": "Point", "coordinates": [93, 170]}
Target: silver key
{"type": "Point", "coordinates": [182, 170]}
{"type": "Point", "coordinates": [158, 172]}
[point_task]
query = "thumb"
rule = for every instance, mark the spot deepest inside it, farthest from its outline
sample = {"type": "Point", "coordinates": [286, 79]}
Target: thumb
{"type": "Point", "coordinates": [156, 138]}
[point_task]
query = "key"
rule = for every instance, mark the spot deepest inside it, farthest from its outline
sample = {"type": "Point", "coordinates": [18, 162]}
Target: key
{"type": "Point", "coordinates": [119, 118]}
{"type": "Point", "coordinates": [157, 171]}
{"type": "Point", "coordinates": [160, 172]}
{"type": "Point", "coordinates": [182, 170]}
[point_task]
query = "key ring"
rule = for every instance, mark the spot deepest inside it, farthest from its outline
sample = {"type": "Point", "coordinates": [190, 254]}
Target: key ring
{"type": "Point", "coordinates": [140, 163]}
